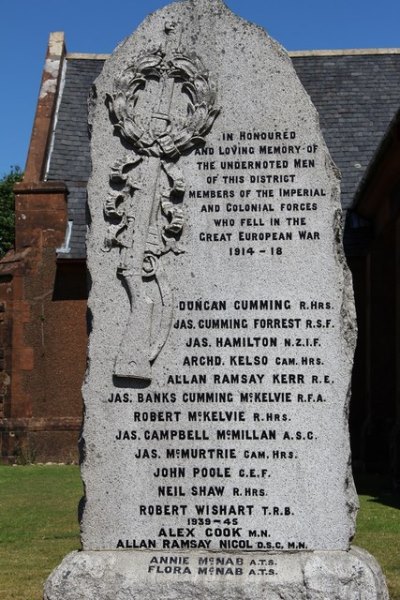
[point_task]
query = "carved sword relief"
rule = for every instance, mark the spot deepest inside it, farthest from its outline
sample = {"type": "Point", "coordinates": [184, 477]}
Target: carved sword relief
{"type": "Point", "coordinates": [162, 106]}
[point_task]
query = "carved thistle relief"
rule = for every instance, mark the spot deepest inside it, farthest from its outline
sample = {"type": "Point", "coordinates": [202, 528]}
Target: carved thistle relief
{"type": "Point", "coordinates": [162, 105]}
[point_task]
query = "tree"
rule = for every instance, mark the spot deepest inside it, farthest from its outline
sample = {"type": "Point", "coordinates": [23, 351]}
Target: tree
{"type": "Point", "coordinates": [7, 214]}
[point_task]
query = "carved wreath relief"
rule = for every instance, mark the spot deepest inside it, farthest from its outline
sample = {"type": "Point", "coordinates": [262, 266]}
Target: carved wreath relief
{"type": "Point", "coordinates": [162, 106]}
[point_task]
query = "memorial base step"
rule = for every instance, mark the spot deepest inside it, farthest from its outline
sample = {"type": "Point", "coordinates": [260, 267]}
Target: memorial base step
{"type": "Point", "coordinates": [144, 575]}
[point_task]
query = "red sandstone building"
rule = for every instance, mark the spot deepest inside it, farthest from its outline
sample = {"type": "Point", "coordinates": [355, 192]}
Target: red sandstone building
{"type": "Point", "coordinates": [43, 287]}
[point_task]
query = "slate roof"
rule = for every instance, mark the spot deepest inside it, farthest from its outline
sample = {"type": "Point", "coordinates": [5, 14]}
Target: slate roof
{"type": "Point", "coordinates": [356, 95]}
{"type": "Point", "coordinates": [70, 152]}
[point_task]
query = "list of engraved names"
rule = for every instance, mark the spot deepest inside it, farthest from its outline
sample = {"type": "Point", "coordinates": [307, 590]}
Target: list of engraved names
{"type": "Point", "coordinates": [246, 398]}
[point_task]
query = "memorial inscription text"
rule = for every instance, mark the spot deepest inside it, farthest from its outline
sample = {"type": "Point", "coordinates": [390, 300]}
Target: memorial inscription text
{"type": "Point", "coordinates": [215, 432]}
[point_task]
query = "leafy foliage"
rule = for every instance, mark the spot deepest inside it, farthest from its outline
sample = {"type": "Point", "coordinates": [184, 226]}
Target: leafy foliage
{"type": "Point", "coordinates": [7, 215]}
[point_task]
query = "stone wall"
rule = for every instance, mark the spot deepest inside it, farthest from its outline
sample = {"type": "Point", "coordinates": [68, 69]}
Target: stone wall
{"type": "Point", "coordinates": [41, 332]}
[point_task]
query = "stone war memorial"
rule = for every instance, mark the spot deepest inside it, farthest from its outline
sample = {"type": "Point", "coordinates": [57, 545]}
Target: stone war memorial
{"type": "Point", "coordinates": [216, 456]}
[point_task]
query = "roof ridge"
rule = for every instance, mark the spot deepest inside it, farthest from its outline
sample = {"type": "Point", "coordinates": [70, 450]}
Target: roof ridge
{"type": "Point", "coordinates": [293, 53]}
{"type": "Point", "coordinates": [86, 56]}
{"type": "Point", "coordinates": [349, 52]}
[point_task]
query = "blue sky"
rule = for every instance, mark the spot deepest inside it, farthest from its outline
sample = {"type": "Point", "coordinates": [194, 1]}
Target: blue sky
{"type": "Point", "coordinates": [97, 26]}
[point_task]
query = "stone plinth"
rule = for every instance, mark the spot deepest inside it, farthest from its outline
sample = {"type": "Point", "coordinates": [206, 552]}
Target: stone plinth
{"type": "Point", "coordinates": [319, 575]}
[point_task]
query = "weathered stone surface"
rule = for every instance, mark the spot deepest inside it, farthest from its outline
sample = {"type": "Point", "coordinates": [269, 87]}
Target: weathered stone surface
{"type": "Point", "coordinates": [216, 397]}
{"type": "Point", "coordinates": [223, 322]}
{"type": "Point", "coordinates": [319, 575]}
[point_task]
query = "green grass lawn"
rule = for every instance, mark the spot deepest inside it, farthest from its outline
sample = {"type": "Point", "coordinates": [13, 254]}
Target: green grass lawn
{"type": "Point", "coordinates": [38, 527]}
{"type": "Point", "coordinates": [378, 529]}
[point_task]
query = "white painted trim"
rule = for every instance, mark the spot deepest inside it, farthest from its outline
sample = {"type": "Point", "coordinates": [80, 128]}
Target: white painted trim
{"type": "Point", "coordinates": [59, 98]}
{"type": "Point", "coordinates": [65, 248]}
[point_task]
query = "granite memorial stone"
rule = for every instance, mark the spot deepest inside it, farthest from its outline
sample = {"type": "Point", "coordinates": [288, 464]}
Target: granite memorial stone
{"type": "Point", "coordinates": [216, 445]}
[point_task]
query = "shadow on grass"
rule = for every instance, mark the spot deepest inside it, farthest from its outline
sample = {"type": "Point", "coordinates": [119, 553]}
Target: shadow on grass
{"type": "Point", "coordinates": [379, 488]}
